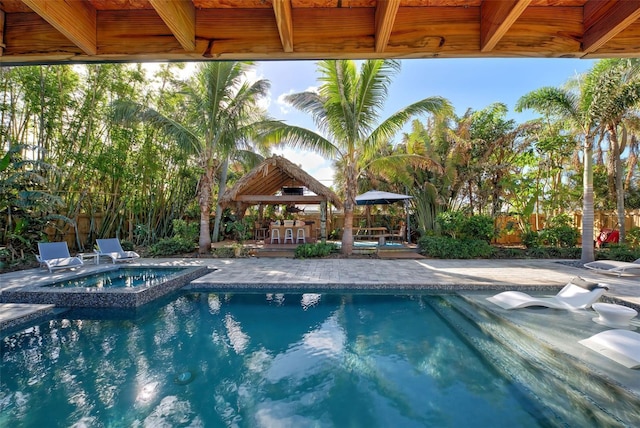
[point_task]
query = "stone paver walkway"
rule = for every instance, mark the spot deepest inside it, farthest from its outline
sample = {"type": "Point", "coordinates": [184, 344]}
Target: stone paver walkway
{"type": "Point", "coordinates": [322, 274]}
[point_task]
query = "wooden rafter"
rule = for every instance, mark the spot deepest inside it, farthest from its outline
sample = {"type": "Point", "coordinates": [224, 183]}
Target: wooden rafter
{"type": "Point", "coordinates": [180, 17]}
{"type": "Point", "coordinates": [385, 17]}
{"type": "Point", "coordinates": [282, 199]}
{"type": "Point", "coordinates": [52, 31]}
{"type": "Point", "coordinates": [76, 20]}
{"type": "Point", "coordinates": [615, 19]}
{"type": "Point", "coordinates": [2, 45]}
{"type": "Point", "coordinates": [496, 17]}
{"type": "Point", "coordinates": [284, 20]}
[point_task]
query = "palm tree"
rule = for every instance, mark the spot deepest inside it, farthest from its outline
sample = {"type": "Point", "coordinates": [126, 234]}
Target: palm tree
{"type": "Point", "coordinates": [616, 95]}
{"type": "Point", "coordinates": [346, 109]}
{"type": "Point", "coordinates": [221, 114]}
{"type": "Point", "coordinates": [577, 109]}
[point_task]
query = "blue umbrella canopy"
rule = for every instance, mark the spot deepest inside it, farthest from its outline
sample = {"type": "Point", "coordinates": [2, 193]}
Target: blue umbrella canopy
{"type": "Point", "coordinates": [376, 197]}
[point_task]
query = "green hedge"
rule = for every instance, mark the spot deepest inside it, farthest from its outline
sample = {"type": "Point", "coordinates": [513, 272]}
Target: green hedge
{"type": "Point", "coordinates": [444, 247]}
{"type": "Point", "coordinates": [307, 251]}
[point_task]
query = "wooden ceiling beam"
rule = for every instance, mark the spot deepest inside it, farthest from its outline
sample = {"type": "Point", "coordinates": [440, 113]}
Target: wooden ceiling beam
{"type": "Point", "coordinates": [76, 20]}
{"type": "Point", "coordinates": [618, 17]}
{"type": "Point", "coordinates": [386, 11]}
{"type": "Point", "coordinates": [496, 17]}
{"type": "Point", "coordinates": [2, 45]}
{"type": "Point", "coordinates": [284, 20]}
{"type": "Point", "coordinates": [180, 17]}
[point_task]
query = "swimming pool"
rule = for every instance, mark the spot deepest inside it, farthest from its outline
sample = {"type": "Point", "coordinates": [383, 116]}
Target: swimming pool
{"type": "Point", "coordinates": [248, 359]}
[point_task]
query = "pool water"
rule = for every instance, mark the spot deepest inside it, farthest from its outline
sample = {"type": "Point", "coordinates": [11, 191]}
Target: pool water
{"type": "Point", "coordinates": [124, 277]}
{"type": "Point", "coordinates": [260, 360]}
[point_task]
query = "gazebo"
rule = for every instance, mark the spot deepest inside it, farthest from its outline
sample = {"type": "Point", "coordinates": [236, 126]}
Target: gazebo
{"type": "Point", "coordinates": [278, 181]}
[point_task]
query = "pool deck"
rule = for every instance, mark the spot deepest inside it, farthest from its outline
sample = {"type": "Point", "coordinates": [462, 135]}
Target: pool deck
{"type": "Point", "coordinates": [361, 274]}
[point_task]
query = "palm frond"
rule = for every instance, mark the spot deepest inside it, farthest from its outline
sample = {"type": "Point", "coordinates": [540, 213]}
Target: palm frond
{"type": "Point", "coordinates": [394, 123]}
{"type": "Point", "coordinates": [301, 138]}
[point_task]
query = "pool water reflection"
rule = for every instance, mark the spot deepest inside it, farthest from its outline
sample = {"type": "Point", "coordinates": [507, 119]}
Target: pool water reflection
{"type": "Point", "coordinates": [260, 360]}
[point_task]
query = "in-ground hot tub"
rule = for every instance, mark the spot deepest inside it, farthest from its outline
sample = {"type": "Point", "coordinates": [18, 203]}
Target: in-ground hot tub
{"type": "Point", "coordinates": [115, 287]}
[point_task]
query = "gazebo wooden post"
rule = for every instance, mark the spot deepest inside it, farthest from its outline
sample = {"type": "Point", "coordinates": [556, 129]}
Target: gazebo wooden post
{"type": "Point", "coordinates": [323, 221]}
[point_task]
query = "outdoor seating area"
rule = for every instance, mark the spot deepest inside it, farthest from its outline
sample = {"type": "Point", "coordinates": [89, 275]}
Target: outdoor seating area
{"type": "Point", "coordinates": [291, 232]}
{"type": "Point", "coordinates": [577, 294]}
{"type": "Point", "coordinates": [55, 255]}
{"type": "Point", "coordinates": [380, 234]}
{"type": "Point", "coordinates": [111, 248]}
{"type": "Point", "coordinates": [615, 267]}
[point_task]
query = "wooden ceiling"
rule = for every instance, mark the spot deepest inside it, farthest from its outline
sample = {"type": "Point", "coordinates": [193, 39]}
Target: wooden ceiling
{"type": "Point", "coordinates": [55, 31]}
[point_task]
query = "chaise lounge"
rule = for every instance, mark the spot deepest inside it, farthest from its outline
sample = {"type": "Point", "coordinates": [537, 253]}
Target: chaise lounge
{"type": "Point", "coordinates": [577, 294]}
{"type": "Point", "coordinates": [55, 255]}
{"type": "Point", "coordinates": [112, 249]}
{"type": "Point", "coordinates": [622, 346]}
{"type": "Point", "coordinates": [615, 267]}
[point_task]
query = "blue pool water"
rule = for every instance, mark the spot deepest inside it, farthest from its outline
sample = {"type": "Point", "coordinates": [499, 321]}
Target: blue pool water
{"type": "Point", "coordinates": [124, 277]}
{"type": "Point", "coordinates": [259, 360]}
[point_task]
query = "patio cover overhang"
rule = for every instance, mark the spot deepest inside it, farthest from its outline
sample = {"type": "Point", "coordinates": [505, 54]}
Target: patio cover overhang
{"type": "Point", "coordinates": [261, 185]}
{"type": "Point", "coordinates": [67, 31]}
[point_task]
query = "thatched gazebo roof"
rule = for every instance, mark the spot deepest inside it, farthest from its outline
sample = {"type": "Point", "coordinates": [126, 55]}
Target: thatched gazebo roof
{"type": "Point", "coordinates": [265, 184]}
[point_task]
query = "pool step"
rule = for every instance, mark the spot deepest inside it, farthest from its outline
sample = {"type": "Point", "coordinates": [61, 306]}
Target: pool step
{"type": "Point", "coordinates": [560, 385]}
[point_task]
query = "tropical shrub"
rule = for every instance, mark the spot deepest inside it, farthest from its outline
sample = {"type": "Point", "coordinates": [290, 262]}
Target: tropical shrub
{"type": "Point", "coordinates": [530, 239]}
{"type": "Point", "coordinates": [445, 247]}
{"type": "Point", "coordinates": [479, 227]}
{"type": "Point", "coordinates": [632, 237]}
{"type": "Point", "coordinates": [558, 233]}
{"type": "Point", "coordinates": [170, 246]}
{"type": "Point", "coordinates": [456, 225]}
{"type": "Point", "coordinates": [126, 245]}
{"type": "Point", "coordinates": [184, 239]}
{"type": "Point", "coordinates": [319, 249]}
{"type": "Point", "coordinates": [450, 223]}
{"type": "Point", "coordinates": [186, 231]}
{"type": "Point", "coordinates": [619, 252]}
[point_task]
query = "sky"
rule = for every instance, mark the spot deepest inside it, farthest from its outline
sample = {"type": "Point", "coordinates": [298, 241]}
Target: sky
{"type": "Point", "coordinates": [466, 83]}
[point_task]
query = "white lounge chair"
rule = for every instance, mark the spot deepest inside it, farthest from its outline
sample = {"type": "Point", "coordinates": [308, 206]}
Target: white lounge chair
{"type": "Point", "coordinates": [55, 255]}
{"type": "Point", "coordinates": [622, 346]}
{"type": "Point", "coordinates": [615, 267]}
{"type": "Point", "coordinates": [112, 249]}
{"type": "Point", "coordinates": [577, 294]}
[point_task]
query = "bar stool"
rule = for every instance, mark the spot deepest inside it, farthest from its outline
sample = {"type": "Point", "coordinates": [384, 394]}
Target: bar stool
{"type": "Point", "coordinates": [260, 232]}
{"type": "Point", "coordinates": [275, 234]}
{"type": "Point", "coordinates": [300, 236]}
{"type": "Point", "coordinates": [288, 234]}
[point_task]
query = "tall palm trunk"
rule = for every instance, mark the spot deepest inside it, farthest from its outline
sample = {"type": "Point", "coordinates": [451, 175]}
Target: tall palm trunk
{"type": "Point", "coordinates": [221, 190]}
{"type": "Point", "coordinates": [615, 148]}
{"type": "Point", "coordinates": [587, 203]}
{"type": "Point", "coordinates": [204, 190]}
{"type": "Point", "coordinates": [350, 197]}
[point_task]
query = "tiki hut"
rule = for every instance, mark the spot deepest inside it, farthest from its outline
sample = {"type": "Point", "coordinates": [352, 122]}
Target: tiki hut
{"type": "Point", "coordinates": [278, 181]}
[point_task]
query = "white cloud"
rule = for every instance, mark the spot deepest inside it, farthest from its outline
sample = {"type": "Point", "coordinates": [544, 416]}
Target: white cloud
{"type": "Point", "coordinates": [284, 106]}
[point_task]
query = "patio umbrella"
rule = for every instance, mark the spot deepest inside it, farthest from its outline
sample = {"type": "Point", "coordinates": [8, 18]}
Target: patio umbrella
{"type": "Point", "coordinates": [376, 197]}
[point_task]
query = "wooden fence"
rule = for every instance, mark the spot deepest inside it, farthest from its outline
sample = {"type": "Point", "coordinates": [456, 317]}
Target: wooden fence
{"type": "Point", "coordinates": [509, 235]}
